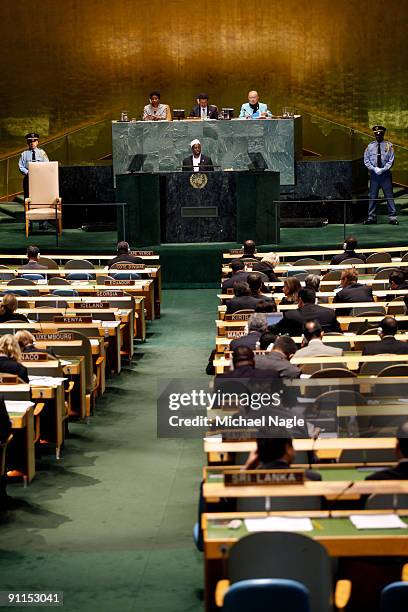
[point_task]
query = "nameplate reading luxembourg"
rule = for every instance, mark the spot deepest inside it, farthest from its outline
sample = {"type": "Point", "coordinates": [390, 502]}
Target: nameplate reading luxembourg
{"type": "Point", "coordinates": [62, 337]}
{"type": "Point", "coordinates": [129, 266]}
{"type": "Point", "coordinates": [110, 293]}
{"type": "Point", "coordinates": [244, 478]}
{"type": "Point", "coordinates": [35, 357]}
{"type": "Point", "coordinates": [119, 281]}
{"type": "Point", "coordinates": [91, 305]}
{"type": "Point", "coordinates": [73, 319]}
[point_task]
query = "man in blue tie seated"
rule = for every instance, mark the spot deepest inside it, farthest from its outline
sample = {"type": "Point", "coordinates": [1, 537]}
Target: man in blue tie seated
{"type": "Point", "coordinates": [254, 109]}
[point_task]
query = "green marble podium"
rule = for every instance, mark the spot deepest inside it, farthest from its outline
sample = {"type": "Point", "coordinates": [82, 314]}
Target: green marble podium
{"type": "Point", "coordinates": [165, 207]}
{"type": "Point", "coordinates": [150, 146]}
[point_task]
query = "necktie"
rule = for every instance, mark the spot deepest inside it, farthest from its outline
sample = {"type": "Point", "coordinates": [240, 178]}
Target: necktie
{"type": "Point", "coordinates": [379, 160]}
{"type": "Point", "coordinates": [33, 155]}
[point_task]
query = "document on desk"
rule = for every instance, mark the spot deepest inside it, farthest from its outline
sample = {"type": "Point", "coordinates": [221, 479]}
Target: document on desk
{"type": "Point", "coordinates": [377, 521]}
{"type": "Point", "coordinates": [278, 523]}
{"type": "Point", "coordinates": [18, 406]}
{"type": "Point", "coordinates": [46, 381]}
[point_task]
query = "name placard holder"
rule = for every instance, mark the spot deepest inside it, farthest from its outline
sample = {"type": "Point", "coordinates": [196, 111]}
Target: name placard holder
{"type": "Point", "coordinates": [128, 266]}
{"type": "Point", "coordinates": [113, 282]}
{"type": "Point", "coordinates": [91, 305]}
{"type": "Point", "coordinates": [73, 319]}
{"type": "Point", "coordinates": [110, 293]}
{"type": "Point", "coordinates": [60, 337]}
{"type": "Point", "coordinates": [244, 478]}
{"type": "Point", "coordinates": [35, 356]}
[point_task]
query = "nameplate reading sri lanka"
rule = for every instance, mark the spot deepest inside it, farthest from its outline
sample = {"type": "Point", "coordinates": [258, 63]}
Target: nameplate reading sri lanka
{"type": "Point", "coordinates": [234, 478]}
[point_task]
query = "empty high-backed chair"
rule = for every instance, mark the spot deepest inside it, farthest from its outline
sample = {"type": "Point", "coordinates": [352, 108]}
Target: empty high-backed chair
{"type": "Point", "coordinates": [44, 203]}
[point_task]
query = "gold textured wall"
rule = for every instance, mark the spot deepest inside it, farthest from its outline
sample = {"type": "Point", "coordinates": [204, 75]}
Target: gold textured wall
{"type": "Point", "coordinates": [68, 62]}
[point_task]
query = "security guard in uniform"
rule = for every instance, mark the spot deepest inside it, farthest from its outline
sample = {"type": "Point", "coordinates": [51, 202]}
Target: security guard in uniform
{"type": "Point", "coordinates": [32, 154]}
{"type": "Point", "coordinates": [379, 158]}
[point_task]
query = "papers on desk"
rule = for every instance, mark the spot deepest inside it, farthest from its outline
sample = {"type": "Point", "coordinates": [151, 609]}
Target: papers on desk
{"type": "Point", "coordinates": [278, 523]}
{"type": "Point", "coordinates": [110, 323]}
{"type": "Point", "coordinates": [18, 406]}
{"type": "Point", "coordinates": [94, 341]}
{"type": "Point", "coordinates": [46, 381]}
{"type": "Point", "coordinates": [377, 521]}
{"type": "Point", "coordinates": [65, 362]}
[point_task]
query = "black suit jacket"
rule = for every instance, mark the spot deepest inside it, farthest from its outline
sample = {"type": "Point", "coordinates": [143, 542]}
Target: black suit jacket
{"type": "Point", "coordinates": [261, 266]}
{"type": "Point", "coordinates": [337, 259]}
{"type": "Point", "coordinates": [388, 345]}
{"type": "Point", "coordinates": [399, 472]}
{"type": "Point", "coordinates": [212, 111]}
{"type": "Point", "coordinates": [249, 340]}
{"type": "Point", "coordinates": [205, 165]}
{"type": "Point", "coordinates": [356, 292]}
{"type": "Point", "coordinates": [246, 372]}
{"type": "Point", "coordinates": [244, 302]}
{"type": "Point", "coordinates": [293, 320]}
{"type": "Point", "coordinates": [238, 277]}
{"type": "Point", "coordinates": [9, 366]}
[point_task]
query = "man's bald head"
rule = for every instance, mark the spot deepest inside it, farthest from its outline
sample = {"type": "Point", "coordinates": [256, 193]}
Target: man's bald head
{"type": "Point", "coordinates": [253, 97]}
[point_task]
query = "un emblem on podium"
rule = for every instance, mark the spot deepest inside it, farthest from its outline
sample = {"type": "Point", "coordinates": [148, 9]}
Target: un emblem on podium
{"type": "Point", "coordinates": [198, 180]}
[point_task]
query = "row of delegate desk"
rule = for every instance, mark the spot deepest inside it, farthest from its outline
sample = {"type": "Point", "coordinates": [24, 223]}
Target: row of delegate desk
{"type": "Point", "coordinates": [332, 528]}
{"type": "Point", "coordinates": [107, 324]}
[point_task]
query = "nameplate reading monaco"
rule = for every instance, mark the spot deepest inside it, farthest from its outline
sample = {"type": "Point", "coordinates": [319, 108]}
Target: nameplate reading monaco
{"type": "Point", "coordinates": [91, 305]}
{"type": "Point", "coordinates": [234, 478]}
{"type": "Point", "coordinates": [238, 317]}
{"type": "Point", "coordinates": [35, 357]}
{"type": "Point", "coordinates": [73, 319]}
{"type": "Point", "coordinates": [110, 293]}
{"type": "Point", "coordinates": [129, 266]}
{"type": "Point", "coordinates": [119, 282]}
{"type": "Point", "coordinates": [64, 337]}
{"type": "Point", "coordinates": [141, 253]}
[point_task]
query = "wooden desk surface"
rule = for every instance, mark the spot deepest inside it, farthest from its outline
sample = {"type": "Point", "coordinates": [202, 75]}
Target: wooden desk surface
{"type": "Point", "coordinates": [332, 444]}
{"type": "Point", "coordinates": [324, 252]}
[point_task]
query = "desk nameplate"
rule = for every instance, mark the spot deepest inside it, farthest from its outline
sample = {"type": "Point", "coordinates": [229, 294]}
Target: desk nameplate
{"type": "Point", "coordinates": [233, 478]}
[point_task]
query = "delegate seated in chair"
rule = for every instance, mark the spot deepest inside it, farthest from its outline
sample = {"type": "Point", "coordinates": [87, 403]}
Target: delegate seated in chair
{"type": "Point", "coordinates": [43, 203]}
{"type": "Point", "coordinates": [8, 309]}
{"type": "Point", "coordinates": [10, 358]}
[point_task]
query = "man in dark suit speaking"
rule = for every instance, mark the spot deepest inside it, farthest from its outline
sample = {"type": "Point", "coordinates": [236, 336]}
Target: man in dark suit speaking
{"type": "Point", "coordinates": [197, 162]}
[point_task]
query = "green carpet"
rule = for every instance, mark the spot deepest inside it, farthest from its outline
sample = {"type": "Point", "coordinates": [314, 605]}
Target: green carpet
{"type": "Point", "coordinates": [111, 523]}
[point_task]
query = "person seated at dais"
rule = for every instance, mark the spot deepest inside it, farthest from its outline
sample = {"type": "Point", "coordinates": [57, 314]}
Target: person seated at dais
{"type": "Point", "coordinates": [155, 110]}
{"type": "Point", "coordinates": [254, 109]}
{"type": "Point", "coordinates": [203, 109]}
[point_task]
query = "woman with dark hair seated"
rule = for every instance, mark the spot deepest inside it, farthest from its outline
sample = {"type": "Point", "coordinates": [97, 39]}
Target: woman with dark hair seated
{"type": "Point", "coordinates": [155, 111]}
{"type": "Point", "coordinates": [8, 309]}
{"type": "Point", "coordinates": [10, 358]}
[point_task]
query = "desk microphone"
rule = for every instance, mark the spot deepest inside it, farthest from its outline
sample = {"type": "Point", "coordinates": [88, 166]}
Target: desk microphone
{"type": "Point", "coordinates": [338, 496]}
{"type": "Point", "coordinates": [315, 436]}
